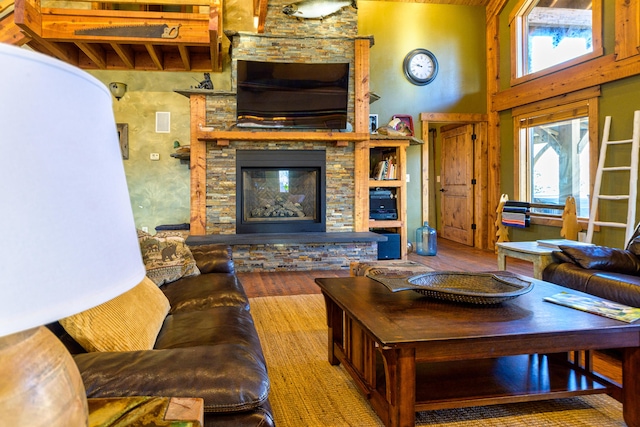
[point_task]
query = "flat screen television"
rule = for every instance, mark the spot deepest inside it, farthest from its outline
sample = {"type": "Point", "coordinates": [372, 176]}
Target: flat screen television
{"type": "Point", "coordinates": [292, 95]}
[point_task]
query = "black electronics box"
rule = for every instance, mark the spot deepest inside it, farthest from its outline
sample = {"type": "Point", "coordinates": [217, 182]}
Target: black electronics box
{"type": "Point", "coordinates": [381, 200]}
{"type": "Point", "coordinates": [391, 248]}
{"type": "Point", "coordinates": [382, 205]}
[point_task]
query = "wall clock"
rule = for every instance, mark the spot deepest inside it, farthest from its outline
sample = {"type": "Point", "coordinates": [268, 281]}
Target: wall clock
{"type": "Point", "coordinates": [420, 67]}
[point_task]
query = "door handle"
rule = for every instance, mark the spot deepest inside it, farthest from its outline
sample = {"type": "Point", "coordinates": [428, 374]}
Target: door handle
{"type": "Point", "coordinates": [442, 190]}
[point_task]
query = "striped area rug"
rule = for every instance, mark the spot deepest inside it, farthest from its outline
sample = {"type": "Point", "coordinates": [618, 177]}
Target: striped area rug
{"type": "Point", "coordinates": [307, 391]}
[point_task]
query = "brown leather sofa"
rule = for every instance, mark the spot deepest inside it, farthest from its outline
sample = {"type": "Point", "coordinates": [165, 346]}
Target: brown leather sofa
{"type": "Point", "coordinates": [609, 273]}
{"type": "Point", "coordinates": [208, 347]}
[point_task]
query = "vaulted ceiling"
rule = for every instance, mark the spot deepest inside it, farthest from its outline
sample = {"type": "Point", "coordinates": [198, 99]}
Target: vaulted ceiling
{"type": "Point", "coordinates": [165, 35]}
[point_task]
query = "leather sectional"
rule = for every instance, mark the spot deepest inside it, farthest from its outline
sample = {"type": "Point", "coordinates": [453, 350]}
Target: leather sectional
{"type": "Point", "coordinates": [207, 347]}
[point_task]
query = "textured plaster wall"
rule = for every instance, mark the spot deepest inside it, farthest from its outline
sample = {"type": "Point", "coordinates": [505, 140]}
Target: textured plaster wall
{"type": "Point", "coordinates": [159, 190]}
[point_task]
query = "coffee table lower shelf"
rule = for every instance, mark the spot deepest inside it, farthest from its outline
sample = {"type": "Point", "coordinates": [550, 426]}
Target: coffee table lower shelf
{"type": "Point", "coordinates": [508, 379]}
{"type": "Point", "coordinates": [503, 380]}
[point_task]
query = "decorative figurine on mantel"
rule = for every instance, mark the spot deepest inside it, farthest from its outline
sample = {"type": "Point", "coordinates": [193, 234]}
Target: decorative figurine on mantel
{"type": "Point", "coordinates": [206, 83]}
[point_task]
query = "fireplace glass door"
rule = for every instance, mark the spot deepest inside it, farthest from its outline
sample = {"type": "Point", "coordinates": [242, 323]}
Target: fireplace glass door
{"type": "Point", "coordinates": [284, 198]}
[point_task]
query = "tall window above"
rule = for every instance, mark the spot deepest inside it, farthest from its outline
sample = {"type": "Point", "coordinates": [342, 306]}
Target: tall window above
{"type": "Point", "coordinates": [547, 35]}
{"type": "Point", "coordinates": [556, 156]}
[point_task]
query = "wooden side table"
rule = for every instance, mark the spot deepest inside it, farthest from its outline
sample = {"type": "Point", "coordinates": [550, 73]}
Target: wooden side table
{"type": "Point", "coordinates": [146, 410]}
{"type": "Point", "coordinates": [540, 256]}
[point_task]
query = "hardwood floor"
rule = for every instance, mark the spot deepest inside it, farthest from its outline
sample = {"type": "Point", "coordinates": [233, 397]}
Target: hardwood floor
{"type": "Point", "coordinates": [451, 256]}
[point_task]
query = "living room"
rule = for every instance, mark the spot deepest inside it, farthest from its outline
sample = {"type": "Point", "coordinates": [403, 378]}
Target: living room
{"type": "Point", "coordinates": [462, 38]}
{"type": "Point", "coordinates": [456, 34]}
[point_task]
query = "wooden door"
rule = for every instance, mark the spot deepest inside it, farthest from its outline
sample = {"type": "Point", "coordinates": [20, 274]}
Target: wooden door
{"type": "Point", "coordinates": [456, 184]}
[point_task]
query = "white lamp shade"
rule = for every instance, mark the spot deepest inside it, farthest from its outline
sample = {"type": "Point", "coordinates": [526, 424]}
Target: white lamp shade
{"type": "Point", "coordinates": [69, 241]}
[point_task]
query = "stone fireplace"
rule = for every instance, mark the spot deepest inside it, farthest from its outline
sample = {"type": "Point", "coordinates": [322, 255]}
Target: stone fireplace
{"type": "Point", "coordinates": [259, 242]}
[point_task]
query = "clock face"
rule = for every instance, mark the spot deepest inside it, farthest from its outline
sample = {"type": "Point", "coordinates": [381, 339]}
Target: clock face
{"type": "Point", "coordinates": [420, 67]}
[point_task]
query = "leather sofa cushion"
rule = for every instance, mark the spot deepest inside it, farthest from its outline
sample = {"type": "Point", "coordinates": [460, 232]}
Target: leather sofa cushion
{"type": "Point", "coordinates": [603, 258]}
{"type": "Point", "coordinates": [622, 288]}
{"type": "Point", "coordinates": [229, 325]}
{"type": "Point", "coordinates": [213, 258]}
{"type": "Point", "coordinates": [204, 292]}
{"type": "Point", "coordinates": [258, 417]}
{"type": "Point", "coordinates": [229, 377]}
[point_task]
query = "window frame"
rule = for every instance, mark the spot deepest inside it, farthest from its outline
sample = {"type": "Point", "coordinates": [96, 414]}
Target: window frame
{"type": "Point", "coordinates": [517, 24]}
{"type": "Point", "coordinates": [577, 100]}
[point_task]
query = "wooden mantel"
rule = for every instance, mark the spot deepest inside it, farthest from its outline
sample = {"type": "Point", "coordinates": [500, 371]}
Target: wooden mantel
{"type": "Point", "coordinates": [222, 138]}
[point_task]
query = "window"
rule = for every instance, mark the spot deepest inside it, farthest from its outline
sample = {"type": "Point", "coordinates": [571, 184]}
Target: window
{"type": "Point", "coordinates": [548, 35]}
{"type": "Point", "coordinates": [556, 154]}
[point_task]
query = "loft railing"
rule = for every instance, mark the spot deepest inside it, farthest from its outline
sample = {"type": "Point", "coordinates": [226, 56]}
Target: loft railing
{"type": "Point", "coordinates": [169, 35]}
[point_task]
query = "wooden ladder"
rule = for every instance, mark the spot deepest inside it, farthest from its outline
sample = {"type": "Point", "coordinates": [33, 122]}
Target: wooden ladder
{"type": "Point", "coordinates": [633, 180]}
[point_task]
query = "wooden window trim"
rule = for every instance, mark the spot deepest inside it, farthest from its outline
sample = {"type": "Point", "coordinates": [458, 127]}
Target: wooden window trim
{"type": "Point", "coordinates": [518, 42]}
{"type": "Point", "coordinates": [587, 97]}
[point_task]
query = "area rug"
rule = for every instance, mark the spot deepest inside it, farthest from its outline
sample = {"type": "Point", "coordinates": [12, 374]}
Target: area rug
{"type": "Point", "coordinates": [307, 391]}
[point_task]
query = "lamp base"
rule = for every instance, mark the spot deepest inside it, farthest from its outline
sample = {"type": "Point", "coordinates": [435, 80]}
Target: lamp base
{"type": "Point", "coordinates": [41, 384]}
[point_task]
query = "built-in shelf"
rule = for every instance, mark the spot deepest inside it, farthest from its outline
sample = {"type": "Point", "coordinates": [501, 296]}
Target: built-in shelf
{"type": "Point", "coordinates": [183, 157]}
{"type": "Point", "coordinates": [212, 92]}
{"type": "Point", "coordinates": [412, 139]}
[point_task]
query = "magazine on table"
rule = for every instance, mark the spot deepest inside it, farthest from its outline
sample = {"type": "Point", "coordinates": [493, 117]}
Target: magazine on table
{"type": "Point", "coordinates": [599, 306]}
{"type": "Point", "coordinates": [556, 243]}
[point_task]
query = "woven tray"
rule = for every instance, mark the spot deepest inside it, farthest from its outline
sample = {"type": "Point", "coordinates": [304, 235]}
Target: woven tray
{"type": "Point", "coordinates": [472, 288]}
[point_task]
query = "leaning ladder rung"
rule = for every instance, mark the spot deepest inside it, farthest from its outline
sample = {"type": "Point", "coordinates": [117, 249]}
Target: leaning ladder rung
{"type": "Point", "coordinates": [612, 197]}
{"type": "Point", "coordinates": [620, 141]}
{"type": "Point", "coordinates": [616, 168]}
{"type": "Point", "coordinates": [631, 198]}
{"type": "Point", "coordinates": [611, 224]}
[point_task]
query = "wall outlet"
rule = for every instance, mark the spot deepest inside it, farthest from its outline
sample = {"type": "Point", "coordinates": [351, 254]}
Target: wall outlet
{"type": "Point", "coordinates": [154, 156]}
{"type": "Point", "coordinates": [145, 229]}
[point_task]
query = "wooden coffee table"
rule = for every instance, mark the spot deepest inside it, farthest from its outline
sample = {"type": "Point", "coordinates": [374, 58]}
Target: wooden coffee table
{"type": "Point", "coordinates": [409, 353]}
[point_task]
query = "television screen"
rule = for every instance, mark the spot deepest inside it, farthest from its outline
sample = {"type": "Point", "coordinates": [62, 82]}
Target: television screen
{"type": "Point", "coordinates": [292, 95]}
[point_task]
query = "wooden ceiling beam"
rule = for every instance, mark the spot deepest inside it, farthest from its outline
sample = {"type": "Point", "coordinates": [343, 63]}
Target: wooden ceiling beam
{"type": "Point", "coordinates": [10, 33]}
{"type": "Point", "coordinates": [125, 53]}
{"type": "Point", "coordinates": [95, 53]}
{"type": "Point", "coordinates": [261, 13]}
{"type": "Point", "coordinates": [156, 55]}
{"type": "Point", "coordinates": [185, 56]}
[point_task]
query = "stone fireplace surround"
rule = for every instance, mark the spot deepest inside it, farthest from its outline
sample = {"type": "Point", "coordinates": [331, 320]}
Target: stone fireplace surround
{"type": "Point", "coordinates": [330, 40]}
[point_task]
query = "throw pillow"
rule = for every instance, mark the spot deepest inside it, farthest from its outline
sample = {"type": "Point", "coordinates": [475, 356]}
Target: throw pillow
{"type": "Point", "coordinates": [603, 258]}
{"type": "Point", "coordinates": [128, 322]}
{"type": "Point", "coordinates": [166, 256]}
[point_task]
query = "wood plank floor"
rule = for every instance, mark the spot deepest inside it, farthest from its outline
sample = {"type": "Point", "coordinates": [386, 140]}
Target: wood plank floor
{"type": "Point", "coordinates": [451, 256]}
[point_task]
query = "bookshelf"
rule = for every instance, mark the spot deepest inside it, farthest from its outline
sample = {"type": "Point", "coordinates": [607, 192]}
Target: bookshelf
{"type": "Point", "coordinates": [388, 171]}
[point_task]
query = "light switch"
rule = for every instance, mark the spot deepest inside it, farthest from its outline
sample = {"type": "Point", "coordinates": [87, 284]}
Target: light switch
{"type": "Point", "coordinates": [154, 156]}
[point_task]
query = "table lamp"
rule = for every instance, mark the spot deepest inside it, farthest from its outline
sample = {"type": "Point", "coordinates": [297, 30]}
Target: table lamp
{"type": "Point", "coordinates": [69, 241]}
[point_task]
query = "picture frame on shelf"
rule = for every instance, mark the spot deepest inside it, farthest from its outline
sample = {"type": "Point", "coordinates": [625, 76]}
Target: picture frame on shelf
{"type": "Point", "coordinates": [373, 123]}
{"type": "Point", "coordinates": [407, 120]}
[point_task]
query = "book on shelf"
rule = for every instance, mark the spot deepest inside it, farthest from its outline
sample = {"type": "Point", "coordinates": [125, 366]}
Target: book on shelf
{"type": "Point", "coordinates": [385, 169]}
{"type": "Point", "coordinates": [599, 306]}
{"type": "Point", "coordinates": [556, 243]}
